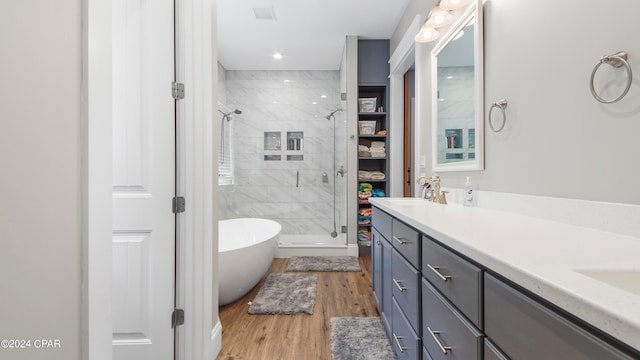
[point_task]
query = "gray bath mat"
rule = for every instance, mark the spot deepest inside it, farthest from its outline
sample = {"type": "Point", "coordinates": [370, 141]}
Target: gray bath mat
{"type": "Point", "coordinates": [323, 263]}
{"type": "Point", "coordinates": [354, 338]}
{"type": "Point", "coordinates": [286, 294]}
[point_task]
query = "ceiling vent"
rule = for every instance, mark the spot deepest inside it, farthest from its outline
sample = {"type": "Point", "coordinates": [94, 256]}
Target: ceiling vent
{"type": "Point", "coordinates": [264, 13]}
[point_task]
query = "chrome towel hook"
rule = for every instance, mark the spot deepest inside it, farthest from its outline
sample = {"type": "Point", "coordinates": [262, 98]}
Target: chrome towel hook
{"type": "Point", "coordinates": [502, 105]}
{"type": "Point", "coordinates": [616, 60]}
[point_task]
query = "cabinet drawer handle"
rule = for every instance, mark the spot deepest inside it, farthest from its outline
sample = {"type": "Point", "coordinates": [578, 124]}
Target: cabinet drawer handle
{"type": "Point", "coordinates": [400, 240]}
{"type": "Point", "coordinates": [444, 349]}
{"type": "Point", "coordinates": [402, 288]}
{"type": "Point", "coordinates": [402, 348]}
{"type": "Point", "coordinates": [435, 270]}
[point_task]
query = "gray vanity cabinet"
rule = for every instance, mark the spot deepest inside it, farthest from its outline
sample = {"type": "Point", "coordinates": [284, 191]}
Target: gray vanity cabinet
{"type": "Point", "coordinates": [381, 263]}
{"type": "Point", "coordinates": [525, 329]}
{"type": "Point", "coordinates": [396, 284]}
{"type": "Point", "coordinates": [439, 304]}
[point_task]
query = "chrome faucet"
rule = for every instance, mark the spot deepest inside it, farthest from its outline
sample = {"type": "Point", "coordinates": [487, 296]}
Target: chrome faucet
{"type": "Point", "coordinates": [435, 195]}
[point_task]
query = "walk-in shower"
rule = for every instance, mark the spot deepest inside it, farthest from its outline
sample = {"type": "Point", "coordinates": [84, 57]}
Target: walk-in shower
{"type": "Point", "coordinates": [288, 161]}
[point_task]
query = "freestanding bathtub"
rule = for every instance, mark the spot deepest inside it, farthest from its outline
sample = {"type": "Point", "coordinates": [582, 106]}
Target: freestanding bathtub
{"type": "Point", "coordinates": [246, 248]}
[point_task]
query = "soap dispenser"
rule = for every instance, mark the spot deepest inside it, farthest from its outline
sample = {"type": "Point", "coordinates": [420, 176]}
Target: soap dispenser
{"type": "Point", "coordinates": [467, 196]}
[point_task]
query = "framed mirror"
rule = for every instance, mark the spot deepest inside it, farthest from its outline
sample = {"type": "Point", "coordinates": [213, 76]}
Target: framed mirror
{"type": "Point", "coordinates": [457, 88]}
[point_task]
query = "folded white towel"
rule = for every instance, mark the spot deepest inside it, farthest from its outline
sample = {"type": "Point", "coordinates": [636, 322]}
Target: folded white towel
{"type": "Point", "coordinates": [377, 144]}
{"type": "Point", "coordinates": [377, 175]}
{"type": "Point", "coordinates": [364, 175]}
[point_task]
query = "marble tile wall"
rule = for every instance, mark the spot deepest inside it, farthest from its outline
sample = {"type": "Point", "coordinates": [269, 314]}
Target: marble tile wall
{"type": "Point", "coordinates": [284, 101]}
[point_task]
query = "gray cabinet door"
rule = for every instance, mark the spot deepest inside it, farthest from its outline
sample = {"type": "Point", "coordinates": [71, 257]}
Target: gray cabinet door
{"type": "Point", "coordinates": [382, 222]}
{"type": "Point", "coordinates": [525, 329]}
{"type": "Point", "coordinates": [387, 291]}
{"type": "Point", "coordinates": [406, 288]}
{"type": "Point", "coordinates": [407, 240]}
{"type": "Point", "coordinates": [404, 340]}
{"type": "Point", "coordinates": [462, 282]}
{"type": "Point", "coordinates": [446, 334]}
{"type": "Point", "coordinates": [376, 267]}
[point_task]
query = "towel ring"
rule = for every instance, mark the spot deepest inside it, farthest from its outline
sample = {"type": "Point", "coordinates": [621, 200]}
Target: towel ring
{"type": "Point", "coordinates": [502, 104]}
{"type": "Point", "coordinates": [616, 60]}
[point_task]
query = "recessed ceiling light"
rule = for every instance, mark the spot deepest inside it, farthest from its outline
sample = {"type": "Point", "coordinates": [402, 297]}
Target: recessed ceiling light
{"type": "Point", "coordinates": [323, 96]}
{"type": "Point", "coordinates": [314, 103]}
{"type": "Point", "coordinates": [277, 56]}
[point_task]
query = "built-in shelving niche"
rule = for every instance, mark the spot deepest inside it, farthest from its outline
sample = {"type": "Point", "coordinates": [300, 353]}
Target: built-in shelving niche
{"type": "Point", "coordinates": [292, 151]}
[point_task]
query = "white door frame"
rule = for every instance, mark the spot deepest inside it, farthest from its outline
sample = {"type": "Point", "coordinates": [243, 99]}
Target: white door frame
{"type": "Point", "coordinates": [399, 63]}
{"type": "Point", "coordinates": [200, 337]}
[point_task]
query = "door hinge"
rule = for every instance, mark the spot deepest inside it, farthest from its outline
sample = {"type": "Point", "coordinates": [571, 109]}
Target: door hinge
{"type": "Point", "coordinates": [178, 204]}
{"type": "Point", "coordinates": [177, 90]}
{"type": "Point", "coordinates": [177, 318]}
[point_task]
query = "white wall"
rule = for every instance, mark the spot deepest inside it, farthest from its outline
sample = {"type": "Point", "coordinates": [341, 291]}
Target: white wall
{"type": "Point", "coordinates": [558, 141]}
{"type": "Point", "coordinates": [40, 216]}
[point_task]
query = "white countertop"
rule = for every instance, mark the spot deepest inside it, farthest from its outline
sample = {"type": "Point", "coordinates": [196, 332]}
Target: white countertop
{"type": "Point", "coordinates": [540, 255]}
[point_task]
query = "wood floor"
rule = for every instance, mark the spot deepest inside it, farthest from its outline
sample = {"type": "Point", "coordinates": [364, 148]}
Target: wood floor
{"type": "Point", "coordinates": [274, 337]}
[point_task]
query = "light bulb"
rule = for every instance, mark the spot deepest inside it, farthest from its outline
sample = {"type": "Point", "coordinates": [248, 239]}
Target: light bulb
{"type": "Point", "coordinates": [439, 18]}
{"type": "Point", "coordinates": [427, 34]}
{"type": "Point", "coordinates": [277, 56]}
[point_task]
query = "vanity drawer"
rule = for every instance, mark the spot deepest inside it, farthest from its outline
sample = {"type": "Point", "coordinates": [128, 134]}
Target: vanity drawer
{"type": "Point", "coordinates": [404, 340]}
{"type": "Point", "coordinates": [459, 280]}
{"type": "Point", "coordinates": [525, 329]}
{"type": "Point", "coordinates": [406, 288]}
{"type": "Point", "coordinates": [382, 222]}
{"type": "Point", "coordinates": [443, 326]}
{"type": "Point", "coordinates": [407, 241]}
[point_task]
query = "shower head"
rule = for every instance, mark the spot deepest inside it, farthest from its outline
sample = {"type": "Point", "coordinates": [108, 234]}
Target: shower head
{"type": "Point", "coordinates": [228, 115]}
{"type": "Point", "coordinates": [328, 117]}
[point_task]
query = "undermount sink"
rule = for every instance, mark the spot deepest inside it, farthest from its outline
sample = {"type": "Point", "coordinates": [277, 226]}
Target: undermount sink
{"type": "Point", "coordinates": [624, 279]}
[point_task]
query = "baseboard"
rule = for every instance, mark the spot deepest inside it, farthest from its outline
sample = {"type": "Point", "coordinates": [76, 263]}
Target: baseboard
{"type": "Point", "coordinates": [216, 339]}
{"type": "Point", "coordinates": [287, 251]}
{"type": "Point", "coordinates": [353, 250]}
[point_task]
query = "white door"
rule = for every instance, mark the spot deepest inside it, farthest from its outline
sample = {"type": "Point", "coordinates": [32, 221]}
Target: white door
{"type": "Point", "coordinates": [143, 180]}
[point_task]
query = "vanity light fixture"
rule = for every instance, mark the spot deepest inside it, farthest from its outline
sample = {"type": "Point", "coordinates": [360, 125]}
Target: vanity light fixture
{"type": "Point", "coordinates": [438, 17]}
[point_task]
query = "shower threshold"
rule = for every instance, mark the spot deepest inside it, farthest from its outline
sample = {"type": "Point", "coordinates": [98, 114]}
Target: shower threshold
{"type": "Point", "coordinates": [314, 245]}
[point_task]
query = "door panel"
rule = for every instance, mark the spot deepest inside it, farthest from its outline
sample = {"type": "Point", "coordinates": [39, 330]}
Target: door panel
{"type": "Point", "coordinates": [143, 179]}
